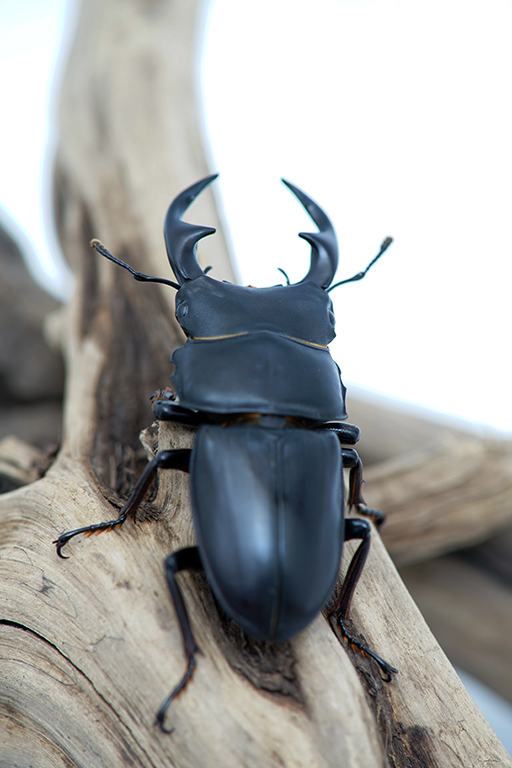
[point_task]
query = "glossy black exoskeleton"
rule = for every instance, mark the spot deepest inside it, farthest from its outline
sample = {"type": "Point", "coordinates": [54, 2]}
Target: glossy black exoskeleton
{"type": "Point", "coordinates": [256, 379]}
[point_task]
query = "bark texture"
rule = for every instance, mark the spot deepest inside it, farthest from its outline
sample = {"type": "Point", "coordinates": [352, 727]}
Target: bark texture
{"type": "Point", "coordinates": [31, 373]}
{"type": "Point", "coordinates": [90, 646]}
{"type": "Point", "coordinates": [444, 488]}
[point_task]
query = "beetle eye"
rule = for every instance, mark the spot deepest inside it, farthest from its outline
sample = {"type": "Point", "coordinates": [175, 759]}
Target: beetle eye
{"type": "Point", "coordinates": [332, 319]}
{"type": "Point", "coordinates": [182, 310]}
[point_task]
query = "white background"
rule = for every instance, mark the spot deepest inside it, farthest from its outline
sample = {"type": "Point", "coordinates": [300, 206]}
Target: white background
{"type": "Point", "coordinates": [397, 118]}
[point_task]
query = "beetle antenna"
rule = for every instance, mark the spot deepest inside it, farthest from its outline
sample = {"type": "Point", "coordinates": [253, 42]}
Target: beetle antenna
{"type": "Point", "coordinates": [284, 273]}
{"type": "Point", "coordinates": [98, 246]}
{"type": "Point", "coordinates": [385, 245]}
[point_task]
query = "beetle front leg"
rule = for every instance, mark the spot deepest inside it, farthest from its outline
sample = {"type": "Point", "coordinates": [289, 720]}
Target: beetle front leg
{"type": "Point", "coordinates": [172, 459]}
{"type": "Point", "coordinates": [352, 461]}
{"type": "Point", "coordinates": [356, 529]}
{"type": "Point", "coordinates": [187, 559]}
{"type": "Point", "coordinates": [346, 433]}
{"type": "Point", "coordinates": [166, 409]}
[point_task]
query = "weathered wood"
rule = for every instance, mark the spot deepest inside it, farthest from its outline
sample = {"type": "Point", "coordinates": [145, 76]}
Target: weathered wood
{"type": "Point", "coordinates": [442, 488]}
{"type": "Point", "coordinates": [91, 646]}
{"type": "Point", "coordinates": [20, 462]}
{"type": "Point", "coordinates": [31, 373]}
{"type": "Point", "coordinates": [469, 609]}
{"type": "Point", "coordinates": [95, 646]}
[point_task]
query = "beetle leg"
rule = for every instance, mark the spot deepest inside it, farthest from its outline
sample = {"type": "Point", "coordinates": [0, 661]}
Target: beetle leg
{"type": "Point", "coordinates": [187, 559]}
{"type": "Point", "coordinates": [347, 433]}
{"type": "Point", "coordinates": [172, 459]}
{"type": "Point", "coordinates": [356, 529]}
{"type": "Point", "coordinates": [168, 410]}
{"type": "Point", "coordinates": [352, 461]}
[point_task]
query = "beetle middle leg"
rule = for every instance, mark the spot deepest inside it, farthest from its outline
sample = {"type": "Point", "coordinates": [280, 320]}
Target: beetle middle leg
{"type": "Point", "coordinates": [171, 459]}
{"type": "Point", "coordinates": [356, 529]}
{"type": "Point", "coordinates": [352, 461]}
{"type": "Point", "coordinates": [349, 434]}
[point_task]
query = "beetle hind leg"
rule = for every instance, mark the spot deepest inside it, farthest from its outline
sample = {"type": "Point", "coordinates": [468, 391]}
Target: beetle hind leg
{"type": "Point", "coordinates": [187, 559]}
{"type": "Point", "coordinates": [356, 644]}
{"type": "Point", "coordinates": [356, 529]}
{"type": "Point", "coordinates": [172, 459]}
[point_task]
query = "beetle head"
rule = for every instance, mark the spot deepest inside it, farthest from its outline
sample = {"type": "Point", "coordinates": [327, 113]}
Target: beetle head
{"type": "Point", "coordinates": [181, 238]}
{"type": "Point", "coordinates": [208, 309]}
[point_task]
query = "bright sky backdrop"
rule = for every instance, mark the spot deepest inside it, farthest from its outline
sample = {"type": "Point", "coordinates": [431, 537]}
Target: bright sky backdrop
{"type": "Point", "coordinates": [395, 116]}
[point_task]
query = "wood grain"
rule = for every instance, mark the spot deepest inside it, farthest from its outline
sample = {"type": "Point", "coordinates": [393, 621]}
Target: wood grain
{"type": "Point", "coordinates": [442, 488]}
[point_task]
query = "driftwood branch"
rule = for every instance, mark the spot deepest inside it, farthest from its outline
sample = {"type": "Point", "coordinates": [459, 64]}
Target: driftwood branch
{"type": "Point", "coordinates": [31, 373]}
{"type": "Point", "coordinates": [445, 489]}
{"type": "Point", "coordinates": [90, 646]}
{"type": "Point", "coordinates": [469, 609]}
{"type": "Point", "coordinates": [442, 488]}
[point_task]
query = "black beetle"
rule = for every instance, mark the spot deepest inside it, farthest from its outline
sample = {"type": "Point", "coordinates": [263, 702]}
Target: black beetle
{"type": "Point", "coordinates": [266, 471]}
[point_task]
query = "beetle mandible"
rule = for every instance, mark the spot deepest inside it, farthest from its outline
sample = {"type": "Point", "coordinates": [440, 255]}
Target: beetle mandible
{"type": "Point", "coordinates": [256, 378]}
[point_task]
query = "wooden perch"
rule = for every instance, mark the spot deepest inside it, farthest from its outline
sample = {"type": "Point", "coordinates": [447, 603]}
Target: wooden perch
{"type": "Point", "coordinates": [90, 646]}
{"type": "Point", "coordinates": [20, 463]}
{"type": "Point", "coordinates": [470, 612]}
{"type": "Point", "coordinates": [441, 488]}
{"type": "Point", "coordinates": [31, 373]}
{"type": "Point", "coordinates": [445, 489]}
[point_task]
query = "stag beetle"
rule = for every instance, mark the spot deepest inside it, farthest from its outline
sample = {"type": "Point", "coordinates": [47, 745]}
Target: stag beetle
{"type": "Point", "coordinates": [256, 378]}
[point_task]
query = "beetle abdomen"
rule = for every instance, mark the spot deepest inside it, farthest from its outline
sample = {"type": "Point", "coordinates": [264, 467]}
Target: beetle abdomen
{"type": "Point", "coordinates": [272, 561]}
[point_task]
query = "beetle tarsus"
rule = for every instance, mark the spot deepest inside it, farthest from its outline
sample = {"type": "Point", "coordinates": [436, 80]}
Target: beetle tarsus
{"type": "Point", "coordinates": [171, 459]}
{"type": "Point", "coordinates": [181, 685]}
{"type": "Point", "coordinates": [376, 515]}
{"type": "Point", "coordinates": [88, 531]}
{"type": "Point", "coordinates": [363, 649]}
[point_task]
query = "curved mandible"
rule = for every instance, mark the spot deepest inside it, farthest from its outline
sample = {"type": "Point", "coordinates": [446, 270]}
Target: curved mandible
{"type": "Point", "coordinates": [324, 246]}
{"type": "Point", "coordinates": [181, 238]}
